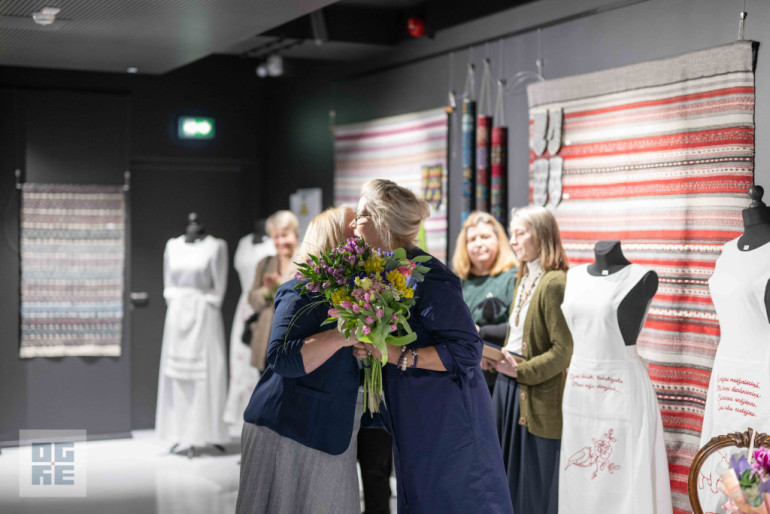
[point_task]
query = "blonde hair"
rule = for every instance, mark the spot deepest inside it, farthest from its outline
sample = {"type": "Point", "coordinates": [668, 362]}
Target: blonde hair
{"type": "Point", "coordinates": [547, 237]}
{"type": "Point", "coordinates": [282, 220]}
{"type": "Point", "coordinates": [505, 258]}
{"type": "Point", "coordinates": [324, 232]}
{"type": "Point", "coordinates": [395, 211]}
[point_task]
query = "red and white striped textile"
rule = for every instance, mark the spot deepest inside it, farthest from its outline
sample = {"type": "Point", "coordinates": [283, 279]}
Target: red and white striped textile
{"type": "Point", "coordinates": [396, 148]}
{"type": "Point", "coordinates": [660, 155]}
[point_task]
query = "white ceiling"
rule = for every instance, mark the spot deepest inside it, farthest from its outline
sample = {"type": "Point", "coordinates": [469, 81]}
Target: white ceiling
{"type": "Point", "coordinates": [153, 35]}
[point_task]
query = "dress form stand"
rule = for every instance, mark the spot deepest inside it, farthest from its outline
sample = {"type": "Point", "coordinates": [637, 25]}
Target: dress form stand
{"type": "Point", "coordinates": [632, 311]}
{"type": "Point", "coordinates": [194, 232]}
{"type": "Point", "coordinates": [756, 230]}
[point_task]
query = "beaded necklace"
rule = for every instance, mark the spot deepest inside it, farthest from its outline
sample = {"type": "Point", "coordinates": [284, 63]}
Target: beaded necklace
{"type": "Point", "coordinates": [525, 293]}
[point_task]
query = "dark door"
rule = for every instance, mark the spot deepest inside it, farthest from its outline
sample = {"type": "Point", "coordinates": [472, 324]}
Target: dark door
{"type": "Point", "coordinates": [161, 197]}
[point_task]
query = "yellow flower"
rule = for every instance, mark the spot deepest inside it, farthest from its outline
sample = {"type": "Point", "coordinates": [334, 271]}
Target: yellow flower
{"type": "Point", "coordinates": [374, 264]}
{"type": "Point", "coordinates": [364, 283]}
{"type": "Point", "coordinates": [407, 292]}
{"type": "Point", "coordinates": [340, 295]}
{"type": "Point", "coordinates": [396, 278]}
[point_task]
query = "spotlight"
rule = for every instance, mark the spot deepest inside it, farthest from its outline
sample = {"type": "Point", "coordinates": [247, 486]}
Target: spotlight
{"type": "Point", "coordinates": [272, 67]}
{"type": "Point", "coordinates": [46, 15]}
{"type": "Point", "coordinates": [261, 71]}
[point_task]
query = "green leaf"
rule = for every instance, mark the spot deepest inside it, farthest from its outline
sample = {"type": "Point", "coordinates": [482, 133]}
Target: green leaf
{"type": "Point", "coordinates": [422, 258]}
{"type": "Point", "coordinates": [401, 340]}
{"type": "Point", "coordinates": [399, 253]}
{"type": "Point", "coordinates": [419, 277]}
{"type": "Point", "coordinates": [422, 269]}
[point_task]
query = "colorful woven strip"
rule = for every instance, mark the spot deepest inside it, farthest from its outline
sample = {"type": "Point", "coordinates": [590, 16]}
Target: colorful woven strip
{"type": "Point", "coordinates": [468, 158]}
{"type": "Point", "coordinates": [660, 156]}
{"type": "Point", "coordinates": [483, 150]}
{"type": "Point", "coordinates": [72, 265]}
{"type": "Point", "coordinates": [498, 197]}
{"type": "Point", "coordinates": [408, 149]}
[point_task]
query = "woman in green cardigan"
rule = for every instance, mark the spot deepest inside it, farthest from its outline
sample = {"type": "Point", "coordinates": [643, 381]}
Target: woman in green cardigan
{"type": "Point", "coordinates": [528, 392]}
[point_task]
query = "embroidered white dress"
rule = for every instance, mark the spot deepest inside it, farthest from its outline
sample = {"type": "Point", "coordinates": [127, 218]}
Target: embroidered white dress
{"type": "Point", "coordinates": [739, 388]}
{"type": "Point", "coordinates": [243, 376]}
{"type": "Point", "coordinates": [613, 457]}
{"type": "Point", "coordinates": [192, 382]}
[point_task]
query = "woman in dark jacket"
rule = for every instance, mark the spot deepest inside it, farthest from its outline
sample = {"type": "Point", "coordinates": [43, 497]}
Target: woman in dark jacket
{"type": "Point", "coordinates": [447, 456]}
{"type": "Point", "coordinates": [298, 451]}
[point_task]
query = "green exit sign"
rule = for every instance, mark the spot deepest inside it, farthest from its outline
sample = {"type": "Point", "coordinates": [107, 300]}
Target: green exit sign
{"type": "Point", "coordinates": [196, 127]}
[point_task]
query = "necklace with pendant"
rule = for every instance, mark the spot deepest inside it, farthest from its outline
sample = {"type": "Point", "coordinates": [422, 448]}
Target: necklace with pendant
{"type": "Point", "coordinates": [524, 294]}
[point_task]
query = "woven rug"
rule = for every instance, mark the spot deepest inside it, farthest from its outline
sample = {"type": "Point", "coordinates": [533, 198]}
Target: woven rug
{"type": "Point", "coordinates": [660, 156]}
{"type": "Point", "coordinates": [72, 266]}
{"type": "Point", "coordinates": [410, 150]}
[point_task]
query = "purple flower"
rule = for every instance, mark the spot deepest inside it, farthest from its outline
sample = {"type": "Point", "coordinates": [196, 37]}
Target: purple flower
{"type": "Point", "coordinates": [368, 306]}
{"type": "Point", "coordinates": [299, 276]}
{"type": "Point", "coordinates": [369, 319]}
{"type": "Point", "coordinates": [356, 308]}
{"type": "Point", "coordinates": [380, 312]}
{"type": "Point", "coordinates": [366, 329]}
{"type": "Point", "coordinates": [393, 327]}
{"type": "Point", "coordinates": [334, 313]}
{"type": "Point", "coordinates": [368, 298]}
{"type": "Point", "coordinates": [327, 285]}
{"type": "Point", "coordinates": [762, 457]}
{"type": "Point", "coordinates": [346, 304]}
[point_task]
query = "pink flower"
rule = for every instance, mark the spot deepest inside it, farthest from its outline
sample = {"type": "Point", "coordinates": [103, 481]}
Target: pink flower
{"type": "Point", "coordinates": [368, 306]}
{"type": "Point", "coordinates": [299, 276]}
{"type": "Point", "coordinates": [405, 270]}
{"type": "Point", "coordinates": [394, 317]}
{"type": "Point", "coordinates": [327, 285]}
{"type": "Point", "coordinates": [366, 329]}
{"type": "Point", "coordinates": [380, 312]}
{"type": "Point", "coordinates": [334, 313]}
{"type": "Point", "coordinates": [367, 297]}
{"type": "Point", "coordinates": [393, 327]}
{"type": "Point", "coordinates": [762, 457]}
{"type": "Point", "coordinates": [356, 308]}
{"type": "Point", "coordinates": [346, 304]}
{"type": "Point", "coordinates": [369, 319]}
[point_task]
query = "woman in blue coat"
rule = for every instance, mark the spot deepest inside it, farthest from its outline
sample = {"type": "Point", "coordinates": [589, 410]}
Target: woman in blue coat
{"type": "Point", "coordinates": [447, 454]}
{"type": "Point", "coordinates": [298, 450]}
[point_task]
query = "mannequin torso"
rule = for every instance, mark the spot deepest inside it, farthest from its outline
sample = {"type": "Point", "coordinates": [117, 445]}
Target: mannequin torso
{"type": "Point", "coordinates": [756, 231]}
{"type": "Point", "coordinates": [633, 308]}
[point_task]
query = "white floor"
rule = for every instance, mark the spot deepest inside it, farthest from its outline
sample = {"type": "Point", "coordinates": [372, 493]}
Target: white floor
{"type": "Point", "coordinates": [138, 476]}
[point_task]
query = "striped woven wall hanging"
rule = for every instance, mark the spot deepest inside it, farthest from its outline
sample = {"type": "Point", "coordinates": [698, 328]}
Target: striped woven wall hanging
{"type": "Point", "coordinates": [410, 150]}
{"type": "Point", "coordinates": [72, 267]}
{"type": "Point", "coordinates": [660, 156]}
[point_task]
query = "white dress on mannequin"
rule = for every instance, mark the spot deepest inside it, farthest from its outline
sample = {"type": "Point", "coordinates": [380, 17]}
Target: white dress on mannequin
{"type": "Point", "coordinates": [192, 382]}
{"type": "Point", "coordinates": [243, 376]}
{"type": "Point", "coordinates": [739, 388]}
{"type": "Point", "coordinates": [613, 457]}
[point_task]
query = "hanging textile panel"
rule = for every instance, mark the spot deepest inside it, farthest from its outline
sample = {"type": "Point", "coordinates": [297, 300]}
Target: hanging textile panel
{"type": "Point", "coordinates": [410, 150]}
{"type": "Point", "coordinates": [660, 156]}
{"type": "Point", "coordinates": [468, 126]}
{"type": "Point", "coordinates": [72, 267]}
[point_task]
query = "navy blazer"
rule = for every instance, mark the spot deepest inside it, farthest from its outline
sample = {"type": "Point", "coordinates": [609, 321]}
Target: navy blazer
{"type": "Point", "coordinates": [315, 409]}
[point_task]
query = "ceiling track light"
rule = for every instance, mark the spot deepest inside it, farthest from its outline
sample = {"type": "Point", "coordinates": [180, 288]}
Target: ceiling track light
{"type": "Point", "coordinates": [46, 15]}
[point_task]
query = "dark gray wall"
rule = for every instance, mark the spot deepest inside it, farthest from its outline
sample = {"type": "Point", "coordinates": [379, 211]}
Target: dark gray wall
{"type": "Point", "coordinates": [89, 128]}
{"type": "Point", "coordinates": [649, 30]}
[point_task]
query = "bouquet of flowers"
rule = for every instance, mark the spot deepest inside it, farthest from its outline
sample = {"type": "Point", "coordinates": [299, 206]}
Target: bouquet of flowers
{"type": "Point", "coordinates": [748, 485]}
{"type": "Point", "coordinates": [370, 293]}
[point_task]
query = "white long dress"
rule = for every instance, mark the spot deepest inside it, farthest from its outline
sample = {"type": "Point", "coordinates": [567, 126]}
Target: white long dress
{"type": "Point", "coordinates": [192, 383]}
{"type": "Point", "coordinates": [613, 457]}
{"type": "Point", "coordinates": [739, 388]}
{"type": "Point", "coordinates": [243, 376]}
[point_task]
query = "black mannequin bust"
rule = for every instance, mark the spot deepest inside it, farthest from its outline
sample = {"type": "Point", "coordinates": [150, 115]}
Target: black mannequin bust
{"type": "Point", "coordinates": [632, 310]}
{"type": "Point", "coordinates": [195, 230]}
{"type": "Point", "coordinates": [756, 230]}
{"type": "Point", "coordinates": [259, 231]}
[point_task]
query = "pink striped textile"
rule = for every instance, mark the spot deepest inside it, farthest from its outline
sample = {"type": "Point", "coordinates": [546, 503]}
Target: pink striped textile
{"type": "Point", "coordinates": [660, 155]}
{"type": "Point", "coordinates": [410, 150]}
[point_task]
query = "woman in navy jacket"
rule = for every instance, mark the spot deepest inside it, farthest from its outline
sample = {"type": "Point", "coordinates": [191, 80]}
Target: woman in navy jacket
{"type": "Point", "coordinates": [298, 451]}
{"type": "Point", "coordinates": [447, 453]}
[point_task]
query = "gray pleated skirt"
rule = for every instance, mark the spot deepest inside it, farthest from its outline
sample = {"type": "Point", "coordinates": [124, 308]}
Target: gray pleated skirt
{"type": "Point", "coordinates": [281, 476]}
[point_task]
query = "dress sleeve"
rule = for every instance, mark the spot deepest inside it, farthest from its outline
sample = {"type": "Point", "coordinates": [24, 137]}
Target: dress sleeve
{"type": "Point", "coordinates": [169, 291]}
{"type": "Point", "coordinates": [556, 359]}
{"type": "Point", "coordinates": [446, 317]}
{"type": "Point", "coordinates": [219, 266]}
{"type": "Point", "coordinates": [288, 334]}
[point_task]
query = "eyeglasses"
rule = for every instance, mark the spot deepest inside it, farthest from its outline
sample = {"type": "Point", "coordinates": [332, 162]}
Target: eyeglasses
{"type": "Point", "coordinates": [357, 216]}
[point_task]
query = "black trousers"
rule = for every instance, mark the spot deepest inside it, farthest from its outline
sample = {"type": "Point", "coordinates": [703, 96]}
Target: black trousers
{"type": "Point", "coordinates": [375, 455]}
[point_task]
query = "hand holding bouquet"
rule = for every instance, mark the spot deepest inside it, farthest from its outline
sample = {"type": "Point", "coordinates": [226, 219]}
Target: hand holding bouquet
{"type": "Point", "coordinates": [370, 293]}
